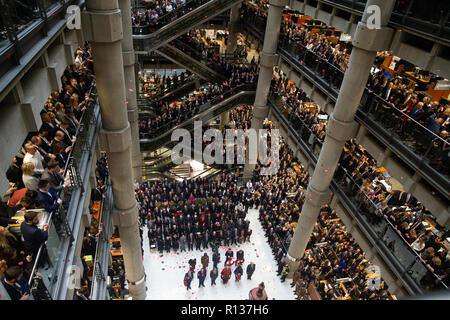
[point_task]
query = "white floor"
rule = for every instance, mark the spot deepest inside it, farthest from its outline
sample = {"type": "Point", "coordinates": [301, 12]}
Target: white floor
{"type": "Point", "coordinates": [165, 273]}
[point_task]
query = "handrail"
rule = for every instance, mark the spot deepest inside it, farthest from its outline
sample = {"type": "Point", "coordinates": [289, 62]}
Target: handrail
{"type": "Point", "coordinates": [167, 26]}
{"type": "Point", "coordinates": [101, 237]}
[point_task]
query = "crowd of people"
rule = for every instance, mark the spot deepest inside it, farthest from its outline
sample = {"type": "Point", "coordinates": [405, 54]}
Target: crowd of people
{"type": "Point", "coordinates": [157, 14]}
{"type": "Point", "coordinates": [402, 210]}
{"type": "Point", "coordinates": [226, 272]}
{"type": "Point", "coordinates": [414, 118]}
{"type": "Point", "coordinates": [194, 214]}
{"type": "Point", "coordinates": [159, 85]}
{"type": "Point", "coordinates": [282, 197]}
{"type": "Point", "coordinates": [375, 199]}
{"type": "Point", "coordinates": [36, 177]}
{"type": "Point", "coordinates": [177, 112]}
{"type": "Point", "coordinates": [422, 123]}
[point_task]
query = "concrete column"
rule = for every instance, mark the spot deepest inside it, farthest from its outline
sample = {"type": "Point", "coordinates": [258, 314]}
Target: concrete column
{"type": "Point", "coordinates": [332, 15]}
{"type": "Point", "coordinates": [268, 60]}
{"type": "Point", "coordinates": [341, 126]}
{"type": "Point", "coordinates": [103, 25]}
{"type": "Point", "coordinates": [232, 28]}
{"type": "Point", "coordinates": [130, 87]}
{"type": "Point", "coordinates": [430, 56]}
{"type": "Point", "coordinates": [224, 119]}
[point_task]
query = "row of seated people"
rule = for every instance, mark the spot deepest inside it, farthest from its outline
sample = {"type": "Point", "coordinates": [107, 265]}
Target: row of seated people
{"type": "Point", "coordinates": [281, 197]}
{"type": "Point", "coordinates": [159, 13]}
{"type": "Point", "coordinates": [36, 178]}
{"type": "Point", "coordinates": [365, 172]}
{"type": "Point", "coordinates": [412, 115]}
{"type": "Point", "coordinates": [335, 54]}
{"type": "Point", "coordinates": [161, 84]}
{"type": "Point", "coordinates": [178, 111]}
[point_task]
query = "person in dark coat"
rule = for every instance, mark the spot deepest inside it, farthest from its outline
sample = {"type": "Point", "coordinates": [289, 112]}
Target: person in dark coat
{"type": "Point", "coordinates": [201, 275]}
{"type": "Point", "coordinates": [198, 241]}
{"type": "Point", "coordinates": [190, 241]}
{"type": "Point", "coordinates": [250, 269]}
{"type": "Point", "coordinates": [167, 244]}
{"type": "Point", "coordinates": [160, 244]}
{"type": "Point", "coordinates": [238, 272]}
{"type": "Point", "coordinates": [32, 235]}
{"type": "Point", "coordinates": [188, 279]}
{"type": "Point", "coordinates": [240, 257]}
{"type": "Point", "coordinates": [229, 254]}
{"type": "Point", "coordinates": [214, 274]}
{"type": "Point", "coordinates": [175, 243]}
{"type": "Point", "coordinates": [192, 263]}
{"type": "Point", "coordinates": [47, 197]}
{"type": "Point", "coordinates": [216, 258]}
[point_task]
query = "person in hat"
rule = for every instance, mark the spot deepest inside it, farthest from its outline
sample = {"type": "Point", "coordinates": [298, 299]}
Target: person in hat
{"type": "Point", "coordinates": [226, 274]}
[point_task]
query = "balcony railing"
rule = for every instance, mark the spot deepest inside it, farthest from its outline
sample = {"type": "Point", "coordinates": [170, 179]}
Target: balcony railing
{"type": "Point", "coordinates": [49, 279]}
{"type": "Point", "coordinates": [403, 259]}
{"type": "Point", "coordinates": [24, 23]}
{"type": "Point", "coordinates": [328, 78]}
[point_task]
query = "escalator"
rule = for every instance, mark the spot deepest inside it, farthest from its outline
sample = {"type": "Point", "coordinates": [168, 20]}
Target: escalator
{"type": "Point", "coordinates": [244, 94]}
{"type": "Point", "coordinates": [186, 61]}
{"type": "Point", "coordinates": [147, 104]}
{"type": "Point", "coordinates": [207, 11]}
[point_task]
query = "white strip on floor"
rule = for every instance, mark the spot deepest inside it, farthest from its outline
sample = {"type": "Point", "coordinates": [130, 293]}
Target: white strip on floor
{"type": "Point", "coordinates": [165, 273]}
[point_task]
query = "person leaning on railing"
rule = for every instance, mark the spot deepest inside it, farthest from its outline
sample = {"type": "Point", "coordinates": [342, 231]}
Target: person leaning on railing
{"type": "Point", "coordinates": [33, 236]}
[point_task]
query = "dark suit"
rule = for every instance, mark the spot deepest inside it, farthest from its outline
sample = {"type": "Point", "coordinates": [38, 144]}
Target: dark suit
{"type": "Point", "coordinates": [48, 201]}
{"type": "Point", "coordinates": [33, 237]}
